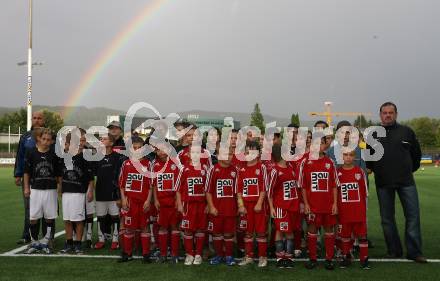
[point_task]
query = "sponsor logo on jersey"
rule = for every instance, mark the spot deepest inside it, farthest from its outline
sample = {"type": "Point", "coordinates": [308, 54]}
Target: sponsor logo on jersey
{"type": "Point", "coordinates": [185, 224]}
{"type": "Point", "coordinates": [243, 224]}
{"type": "Point", "coordinates": [284, 225]}
{"type": "Point", "coordinates": [250, 187]}
{"type": "Point", "coordinates": [127, 220]}
{"type": "Point", "coordinates": [71, 175]}
{"type": "Point", "coordinates": [195, 186]}
{"type": "Point", "coordinates": [134, 182]}
{"type": "Point", "coordinates": [289, 190]}
{"type": "Point", "coordinates": [319, 181]}
{"type": "Point", "coordinates": [350, 192]}
{"type": "Point", "coordinates": [339, 226]}
{"type": "Point", "coordinates": [165, 182]}
{"type": "Point", "coordinates": [224, 188]}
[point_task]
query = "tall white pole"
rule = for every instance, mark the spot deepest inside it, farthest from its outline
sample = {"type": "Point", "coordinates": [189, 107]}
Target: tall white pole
{"type": "Point", "coordinates": [9, 139]}
{"type": "Point", "coordinates": [29, 76]}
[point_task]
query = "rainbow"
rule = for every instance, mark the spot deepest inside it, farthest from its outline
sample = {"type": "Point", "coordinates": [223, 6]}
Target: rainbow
{"type": "Point", "coordinates": [106, 57]}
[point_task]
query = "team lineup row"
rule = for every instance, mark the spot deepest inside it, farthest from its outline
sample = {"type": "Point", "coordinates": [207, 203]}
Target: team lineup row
{"type": "Point", "coordinates": [231, 200]}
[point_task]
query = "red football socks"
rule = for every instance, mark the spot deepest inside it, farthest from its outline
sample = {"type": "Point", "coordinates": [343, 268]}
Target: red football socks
{"type": "Point", "coordinates": [200, 242]}
{"type": "Point", "coordinates": [312, 239]}
{"type": "Point", "coordinates": [329, 241]}
{"type": "Point", "coordinates": [146, 243]}
{"type": "Point", "coordinates": [175, 241]}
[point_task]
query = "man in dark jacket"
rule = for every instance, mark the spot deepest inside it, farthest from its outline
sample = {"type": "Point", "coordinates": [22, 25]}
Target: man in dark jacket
{"type": "Point", "coordinates": [26, 142]}
{"type": "Point", "coordinates": [393, 173]}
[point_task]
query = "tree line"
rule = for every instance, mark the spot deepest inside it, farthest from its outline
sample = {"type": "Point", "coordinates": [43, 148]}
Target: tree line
{"type": "Point", "coordinates": [427, 129]}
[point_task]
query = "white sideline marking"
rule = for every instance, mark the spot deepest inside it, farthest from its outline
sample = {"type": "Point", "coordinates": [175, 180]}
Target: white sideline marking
{"type": "Point", "coordinates": [14, 253]}
{"type": "Point", "coordinates": [24, 247]}
{"type": "Point", "coordinates": [139, 257]}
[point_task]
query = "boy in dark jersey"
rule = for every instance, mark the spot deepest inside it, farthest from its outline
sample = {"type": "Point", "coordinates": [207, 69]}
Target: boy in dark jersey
{"type": "Point", "coordinates": [40, 184]}
{"type": "Point", "coordinates": [352, 207]}
{"type": "Point", "coordinates": [107, 171]}
{"type": "Point", "coordinates": [319, 182]}
{"type": "Point", "coordinates": [222, 204]}
{"type": "Point", "coordinates": [75, 183]}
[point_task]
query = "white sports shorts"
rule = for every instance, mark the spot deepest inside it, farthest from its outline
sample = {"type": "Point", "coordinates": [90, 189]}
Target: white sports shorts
{"type": "Point", "coordinates": [43, 203]}
{"type": "Point", "coordinates": [106, 207]}
{"type": "Point", "coordinates": [73, 206]}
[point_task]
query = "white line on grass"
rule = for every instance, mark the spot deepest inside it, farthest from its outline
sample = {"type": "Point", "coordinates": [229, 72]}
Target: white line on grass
{"type": "Point", "coordinates": [24, 247]}
{"type": "Point", "coordinates": [15, 253]}
{"type": "Point", "coordinates": [139, 257]}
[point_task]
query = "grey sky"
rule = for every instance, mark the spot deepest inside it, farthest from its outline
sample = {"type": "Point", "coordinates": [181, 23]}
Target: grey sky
{"type": "Point", "coordinates": [225, 55]}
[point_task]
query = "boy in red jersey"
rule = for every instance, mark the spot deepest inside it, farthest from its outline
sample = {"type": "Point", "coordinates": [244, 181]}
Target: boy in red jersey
{"type": "Point", "coordinates": [352, 206]}
{"type": "Point", "coordinates": [135, 197]}
{"type": "Point", "coordinates": [165, 173]}
{"type": "Point", "coordinates": [284, 203]}
{"type": "Point", "coordinates": [185, 155]}
{"type": "Point", "coordinates": [251, 193]}
{"type": "Point", "coordinates": [222, 204]}
{"type": "Point", "coordinates": [319, 182]}
{"type": "Point", "coordinates": [191, 202]}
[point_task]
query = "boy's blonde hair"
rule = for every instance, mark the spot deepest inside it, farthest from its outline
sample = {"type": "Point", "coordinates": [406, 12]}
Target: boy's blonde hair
{"type": "Point", "coordinates": [39, 132]}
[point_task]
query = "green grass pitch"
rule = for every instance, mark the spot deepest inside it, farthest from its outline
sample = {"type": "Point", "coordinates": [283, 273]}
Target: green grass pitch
{"type": "Point", "coordinates": [61, 268]}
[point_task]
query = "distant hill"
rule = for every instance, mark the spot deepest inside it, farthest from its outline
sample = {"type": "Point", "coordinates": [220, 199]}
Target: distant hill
{"type": "Point", "coordinates": [82, 116]}
{"type": "Point", "coordinates": [86, 117]}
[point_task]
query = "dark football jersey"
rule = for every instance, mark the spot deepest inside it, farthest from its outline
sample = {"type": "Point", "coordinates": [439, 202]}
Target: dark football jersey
{"type": "Point", "coordinates": [76, 180]}
{"type": "Point", "coordinates": [107, 174]}
{"type": "Point", "coordinates": [42, 167]}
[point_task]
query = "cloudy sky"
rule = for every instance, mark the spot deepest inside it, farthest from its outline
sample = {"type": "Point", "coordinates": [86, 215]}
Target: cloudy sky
{"type": "Point", "coordinates": [225, 55]}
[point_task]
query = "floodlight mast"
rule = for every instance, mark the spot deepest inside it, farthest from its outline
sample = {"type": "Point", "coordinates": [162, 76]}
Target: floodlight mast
{"type": "Point", "coordinates": [29, 72]}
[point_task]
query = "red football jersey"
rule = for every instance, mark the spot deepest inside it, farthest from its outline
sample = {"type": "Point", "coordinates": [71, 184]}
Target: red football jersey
{"type": "Point", "coordinates": [191, 183]}
{"type": "Point", "coordinates": [185, 157]}
{"type": "Point", "coordinates": [251, 181]}
{"type": "Point", "coordinates": [318, 177]}
{"type": "Point", "coordinates": [269, 165]}
{"type": "Point", "coordinates": [220, 183]}
{"type": "Point", "coordinates": [297, 162]}
{"type": "Point", "coordinates": [352, 195]}
{"type": "Point", "coordinates": [283, 188]}
{"type": "Point", "coordinates": [165, 177]}
{"type": "Point", "coordinates": [236, 162]}
{"type": "Point", "coordinates": [134, 184]}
